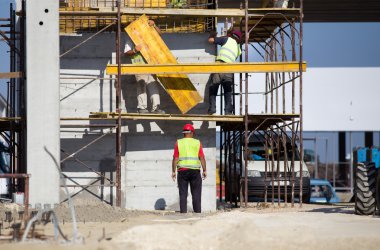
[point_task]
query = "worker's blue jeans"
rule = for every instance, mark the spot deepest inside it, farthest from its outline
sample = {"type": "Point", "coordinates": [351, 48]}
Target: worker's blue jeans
{"type": "Point", "coordinates": [226, 80]}
{"type": "Point", "coordinates": [192, 177]}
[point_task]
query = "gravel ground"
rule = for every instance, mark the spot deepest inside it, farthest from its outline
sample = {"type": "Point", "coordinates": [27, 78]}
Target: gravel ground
{"type": "Point", "coordinates": [104, 227]}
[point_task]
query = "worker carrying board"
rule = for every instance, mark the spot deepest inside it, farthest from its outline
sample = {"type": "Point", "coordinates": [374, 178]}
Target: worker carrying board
{"type": "Point", "coordinates": [155, 51]}
{"type": "Point", "coordinates": [144, 82]}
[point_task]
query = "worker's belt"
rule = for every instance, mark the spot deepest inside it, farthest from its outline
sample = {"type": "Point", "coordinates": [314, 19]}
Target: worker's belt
{"type": "Point", "coordinates": [190, 166]}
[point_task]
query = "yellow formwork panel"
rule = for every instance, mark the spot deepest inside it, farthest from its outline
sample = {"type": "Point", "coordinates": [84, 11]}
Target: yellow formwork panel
{"type": "Point", "coordinates": [145, 3]}
{"type": "Point", "coordinates": [155, 51]}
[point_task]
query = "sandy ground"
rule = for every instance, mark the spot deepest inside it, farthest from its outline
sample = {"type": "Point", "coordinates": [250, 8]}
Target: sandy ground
{"type": "Point", "coordinates": [103, 227]}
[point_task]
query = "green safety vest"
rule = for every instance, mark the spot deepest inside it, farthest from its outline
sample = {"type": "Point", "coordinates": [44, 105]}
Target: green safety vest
{"type": "Point", "coordinates": [137, 59]}
{"type": "Point", "coordinates": [188, 149]}
{"type": "Point", "coordinates": [178, 3]}
{"type": "Point", "coordinates": [229, 51]}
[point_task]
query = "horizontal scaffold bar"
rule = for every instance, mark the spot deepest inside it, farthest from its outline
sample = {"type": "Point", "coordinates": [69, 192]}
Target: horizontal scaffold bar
{"type": "Point", "coordinates": [181, 12]}
{"type": "Point", "coordinates": [206, 68]}
{"type": "Point", "coordinates": [9, 119]}
{"type": "Point", "coordinates": [185, 117]}
{"type": "Point", "coordinates": [7, 75]}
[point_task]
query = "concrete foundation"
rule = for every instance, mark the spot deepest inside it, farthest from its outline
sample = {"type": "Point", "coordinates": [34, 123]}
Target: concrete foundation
{"type": "Point", "coordinates": [147, 146]}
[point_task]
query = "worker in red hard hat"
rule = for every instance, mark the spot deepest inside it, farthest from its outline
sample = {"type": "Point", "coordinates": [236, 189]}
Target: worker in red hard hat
{"type": "Point", "coordinates": [228, 53]}
{"type": "Point", "coordinates": [188, 159]}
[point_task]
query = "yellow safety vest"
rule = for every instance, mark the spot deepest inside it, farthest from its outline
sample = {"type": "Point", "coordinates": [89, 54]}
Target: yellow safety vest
{"type": "Point", "coordinates": [188, 149]}
{"type": "Point", "coordinates": [229, 52]}
{"type": "Point", "coordinates": [178, 3]}
{"type": "Point", "coordinates": [137, 59]}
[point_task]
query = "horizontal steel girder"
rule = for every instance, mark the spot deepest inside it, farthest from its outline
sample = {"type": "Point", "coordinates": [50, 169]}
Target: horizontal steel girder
{"type": "Point", "coordinates": [206, 68]}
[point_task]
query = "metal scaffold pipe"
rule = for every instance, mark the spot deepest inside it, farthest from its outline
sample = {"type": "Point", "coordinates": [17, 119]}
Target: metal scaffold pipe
{"type": "Point", "coordinates": [300, 100]}
{"type": "Point", "coordinates": [246, 110]}
{"type": "Point", "coordinates": [118, 109]}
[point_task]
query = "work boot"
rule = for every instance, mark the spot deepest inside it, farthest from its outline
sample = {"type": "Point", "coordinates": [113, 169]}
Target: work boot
{"type": "Point", "coordinates": [158, 111]}
{"type": "Point", "coordinates": [142, 111]}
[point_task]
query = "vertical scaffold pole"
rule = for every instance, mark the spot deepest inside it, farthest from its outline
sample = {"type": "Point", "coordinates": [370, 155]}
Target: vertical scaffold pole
{"type": "Point", "coordinates": [220, 164]}
{"type": "Point", "coordinates": [118, 110]}
{"type": "Point", "coordinates": [293, 112]}
{"type": "Point", "coordinates": [246, 109]}
{"type": "Point", "coordinates": [300, 94]}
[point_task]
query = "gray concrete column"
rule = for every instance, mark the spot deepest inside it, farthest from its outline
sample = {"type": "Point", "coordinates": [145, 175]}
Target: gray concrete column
{"type": "Point", "coordinates": [42, 100]}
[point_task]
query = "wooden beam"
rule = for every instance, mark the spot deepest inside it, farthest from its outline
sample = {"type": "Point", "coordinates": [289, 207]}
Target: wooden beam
{"type": "Point", "coordinates": [185, 117]}
{"type": "Point", "coordinates": [6, 75]}
{"type": "Point", "coordinates": [206, 68]}
{"type": "Point", "coordinates": [157, 12]}
{"type": "Point", "coordinates": [7, 119]}
{"type": "Point", "coordinates": [171, 117]}
{"type": "Point", "coordinates": [104, 11]}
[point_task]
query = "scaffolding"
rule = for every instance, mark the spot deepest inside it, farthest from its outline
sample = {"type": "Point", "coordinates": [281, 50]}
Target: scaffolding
{"type": "Point", "coordinates": [270, 32]}
{"type": "Point", "coordinates": [91, 16]}
{"type": "Point", "coordinates": [12, 126]}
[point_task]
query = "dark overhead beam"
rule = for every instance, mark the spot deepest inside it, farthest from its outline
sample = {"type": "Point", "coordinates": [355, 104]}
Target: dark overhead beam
{"type": "Point", "coordinates": [327, 10]}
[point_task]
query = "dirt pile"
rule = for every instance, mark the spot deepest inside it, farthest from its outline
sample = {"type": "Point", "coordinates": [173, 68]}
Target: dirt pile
{"type": "Point", "coordinates": [94, 211]}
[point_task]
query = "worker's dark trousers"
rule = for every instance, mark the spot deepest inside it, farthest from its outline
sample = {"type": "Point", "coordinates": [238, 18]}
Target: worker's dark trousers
{"type": "Point", "coordinates": [226, 80]}
{"type": "Point", "coordinates": [194, 178]}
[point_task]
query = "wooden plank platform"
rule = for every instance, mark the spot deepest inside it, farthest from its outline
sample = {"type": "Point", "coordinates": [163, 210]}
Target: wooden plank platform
{"type": "Point", "coordinates": [169, 117]}
{"type": "Point", "coordinates": [232, 122]}
{"type": "Point", "coordinates": [155, 51]}
{"type": "Point", "coordinates": [206, 68]}
{"type": "Point", "coordinates": [10, 123]}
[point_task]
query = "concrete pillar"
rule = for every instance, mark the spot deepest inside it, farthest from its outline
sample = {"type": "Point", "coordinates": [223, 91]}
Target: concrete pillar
{"type": "Point", "coordinates": [42, 100]}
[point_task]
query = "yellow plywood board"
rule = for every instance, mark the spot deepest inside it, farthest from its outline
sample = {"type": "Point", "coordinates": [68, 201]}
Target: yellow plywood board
{"type": "Point", "coordinates": [155, 51]}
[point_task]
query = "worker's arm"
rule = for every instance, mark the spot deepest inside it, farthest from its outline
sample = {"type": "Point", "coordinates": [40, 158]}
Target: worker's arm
{"type": "Point", "coordinates": [151, 23]}
{"type": "Point", "coordinates": [203, 163]}
{"type": "Point", "coordinates": [201, 157]}
{"type": "Point", "coordinates": [222, 40]}
{"type": "Point", "coordinates": [133, 51]}
{"type": "Point", "coordinates": [211, 38]}
{"type": "Point", "coordinates": [174, 167]}
{"type": "Point", "coordinates": [175, 160]}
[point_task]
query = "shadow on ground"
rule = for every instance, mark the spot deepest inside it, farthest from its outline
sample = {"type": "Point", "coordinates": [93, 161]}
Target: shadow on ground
{"type": "Point", "coordinates": [333, 210]}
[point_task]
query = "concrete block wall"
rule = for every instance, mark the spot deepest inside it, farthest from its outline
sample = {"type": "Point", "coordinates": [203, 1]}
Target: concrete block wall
{"type": "Point", "coordinates": [147, 146]}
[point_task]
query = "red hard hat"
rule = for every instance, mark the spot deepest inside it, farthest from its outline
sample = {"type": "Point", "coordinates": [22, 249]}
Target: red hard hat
{"type": "Point", "coordinates": [237, 34]}
{"type": "Point", "coordinates": [188, 128]}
